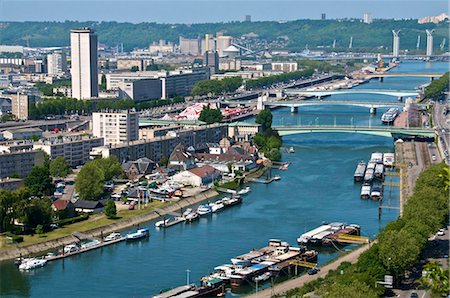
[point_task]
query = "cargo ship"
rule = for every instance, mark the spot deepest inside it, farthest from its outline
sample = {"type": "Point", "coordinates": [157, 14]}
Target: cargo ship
{"type": "Point", "coordinates": [212, 288]}
{"type": "Point", "coordinates": [390, 115]}
{"type": "Point", "coordinates": [276, 258]}
{"type": "Point", "coordinates": [359, 172]}
{"type": "Point", "coordinates": [324, 234]}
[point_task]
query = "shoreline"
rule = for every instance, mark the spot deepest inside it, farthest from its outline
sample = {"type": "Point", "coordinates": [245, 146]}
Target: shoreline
{"type": "Point", "coordinates": [12, 253]}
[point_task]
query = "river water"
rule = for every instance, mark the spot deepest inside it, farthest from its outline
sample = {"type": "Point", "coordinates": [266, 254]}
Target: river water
{"type": "Point", "coordinates": [317, 187]}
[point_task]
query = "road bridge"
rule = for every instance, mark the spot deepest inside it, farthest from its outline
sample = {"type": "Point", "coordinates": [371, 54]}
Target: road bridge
{"type": "Point", "coordinates": [321, 93]}
{"type": "Point", "coordinates": [384, 131]}
{"type": "Point", "coordinates": [393, 75]}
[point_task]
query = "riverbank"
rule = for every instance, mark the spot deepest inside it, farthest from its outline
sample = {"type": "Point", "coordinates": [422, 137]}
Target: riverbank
{"type": "Point", "coordinates": [11, 253]}
{"type": "Point", "coordinates": [280, 288]}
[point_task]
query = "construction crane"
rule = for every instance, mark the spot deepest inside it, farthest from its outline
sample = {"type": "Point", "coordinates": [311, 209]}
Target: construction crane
{"type": "Point", "coordinates": [351, 42]}
{"type": "Point", "coordinates": [418, 42]}
{"type": "Point", "coordinates": [443, 44]}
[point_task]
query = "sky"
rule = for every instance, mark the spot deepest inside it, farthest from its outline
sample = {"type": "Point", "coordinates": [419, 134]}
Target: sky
{"type": "Point", "coordinates": [202, 11]}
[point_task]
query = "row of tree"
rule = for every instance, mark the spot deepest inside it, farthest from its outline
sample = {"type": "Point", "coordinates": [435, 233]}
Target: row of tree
{"type": "Point", "coordinates": [437, 88]}
{"type": "Point", "coordinates": [281, 78]}
{"type": "Point", "coordinates": [64, 105]}
{"type": "Point", "coordinates": [91, 179]}
{"type": "Point", "coordinates": [399, 244]}
{"type": "Point", "coordinates": [215, 87]}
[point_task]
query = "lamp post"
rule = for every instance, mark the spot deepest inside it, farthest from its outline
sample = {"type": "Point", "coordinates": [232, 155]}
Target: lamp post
{"type": "Point", "coordinates": [187, 276]}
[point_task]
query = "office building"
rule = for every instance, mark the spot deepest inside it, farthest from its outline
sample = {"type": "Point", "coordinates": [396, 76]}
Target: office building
{"type": "Point", "coordinates": [56, 63]}
{"type": "Point", "coordinates": [22, 133]}
{"type": "Point", "coordinates": [396, 43]}
{"type": "Point", "coordinates": [285, 66]}
{"type": "Point", "coordinates": [180, 83]}
{"type": "Point", "coordinates": [429, 42]}
{"type": "Point", "coordinates": [140, 90]}
{"type": "Point", "coordinates": [211, 60]}
{"type": "Point", "coordinates": [248, 18]}
{"type": "Point", "coordinates": [323, 16]}
{"type": "Point", "coordinates": [116, 127]}
{"type": "Point", "coordinates": [83, 45]}
{"type": "Point", "coordinates": [19, 162]}
{"type": "Point", "coordinates": [367, 18]}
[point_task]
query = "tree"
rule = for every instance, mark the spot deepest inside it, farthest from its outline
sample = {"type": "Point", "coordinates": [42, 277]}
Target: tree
{"type": "Point", "coordinates": [436, 278]}
{"type": "Point", "coordinates": [210, 115]}
{"type": "Point", "coordinates": [445, 176]}
{"type": "Point", "coordinates": [39, 229]}
{"type": "Point", "coordinates": [39, 181]}
{"type": "Point", "coordinates": [103, 82]}
{"type": "Point", "coordinates": [59, 167]}
{"type": "Point", "coordinates": [134, 68]}
{"type": "Point", "coordinates": [110, 209]}
{"type": "Point", "coordinates": [34, 212]}
{"type": "Point", "coordinates": [164, 161]}
{"type": "Point", "coordinates": [265, 119]}
{"type": "Point", "coordinates": [6, 210]}
{"type": "Point", "coordinates": [89, 182]}
{"type": "Point", "coordinates": [109, 166]}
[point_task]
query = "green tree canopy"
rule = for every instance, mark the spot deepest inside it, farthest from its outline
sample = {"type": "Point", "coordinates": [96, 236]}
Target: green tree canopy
{"type": "Point", "coordinates": [89, 182]}
{"type": "Point", "coordinates": [210, 116]}
{"type": "Point", "coordinates": [110, 209]}
{"type": "Point", "coordinates": [59, 167]}
{"type": "Point", "coordinates": [110, 167]}
{"type": "Point", "coordinates": [265, 119]}
{"type": "Point", "coordinates": [39, 181]}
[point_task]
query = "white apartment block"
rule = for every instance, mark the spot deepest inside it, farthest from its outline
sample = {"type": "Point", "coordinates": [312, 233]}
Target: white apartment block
{"type": "Point", "coordinates": [116, 127]}
{"type": "Point", "coordinates": [83, 46]}
{"type": "Point", "coordinates": [56, 63]}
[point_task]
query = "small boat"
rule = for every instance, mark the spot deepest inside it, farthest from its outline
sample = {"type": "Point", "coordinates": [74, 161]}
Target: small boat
{"type": "Point", "coordinates": [32, 264]}
{"type": "Point", "coordinates": [20, 261]}
{"type": "Point", "coordinates": [244, 191]}
{"type": "Point", "coordinates": [284, 166]}
{"type": "Point", "coordinates": [359, 172]}
{"type": "Point", "coordinates": [291, 150]}
{"type": "Point", "coordinates": [90, 244]}
{"type": "Point", "coordinates": [204, 210]}
{"type": "Point", "coordinates": [365, 191]}
{"type": "Point", "coordinates": [161, 223]}
{"type": "Point", "coordinates": [262, 277]}
{"type": "Point", "coordinates": [216, 206]}
{"type": "Point", "coordinates": [187, 212]}
{"type": "Point", "coordinates": [376, 193]}
{"type": "Point", "coordinates": [232, 201]}
{"type": "Point", "coordinates": [70, 248]}
{"type": "Point", "coordinates": [192, 216]}
{"type": "Point", "coordinates": [276, 178]}
{"type": "Point", "coordinates": [112, 236]}
{"type": "Point", "coordinates": [139, 234]}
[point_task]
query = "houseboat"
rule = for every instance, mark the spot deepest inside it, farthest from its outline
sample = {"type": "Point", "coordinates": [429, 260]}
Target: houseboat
{"type": "Point", "coordinates": [365, 191]}
{"type": "Point", "coordinates": [390, 115]}
{"type": "Point", "coordinates": [139, 234]}
{"type": "Point", "coordinates": [359, 172]}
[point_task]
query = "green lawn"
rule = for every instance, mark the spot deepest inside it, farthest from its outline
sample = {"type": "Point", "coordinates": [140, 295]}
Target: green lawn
{"type": "Point", "coordinates": [94, 221]}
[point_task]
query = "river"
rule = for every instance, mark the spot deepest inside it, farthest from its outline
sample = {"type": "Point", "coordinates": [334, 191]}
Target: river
{"type": "Point", "coordinates": [317, 187]}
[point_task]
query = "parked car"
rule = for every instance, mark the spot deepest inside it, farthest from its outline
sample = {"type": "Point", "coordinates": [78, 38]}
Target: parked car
{"type": "Point", "coordinates": [441, 232]}
{"type": "Point", "coordinates": [313, 271]}
{"type": "Point", "coordinates": [433, 157]}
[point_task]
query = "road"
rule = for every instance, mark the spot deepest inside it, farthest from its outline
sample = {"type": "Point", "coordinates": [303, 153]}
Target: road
{"type": "Point", "coordinates": [442, 124]}
{"type": "Point", "coordinates": [352, 257]}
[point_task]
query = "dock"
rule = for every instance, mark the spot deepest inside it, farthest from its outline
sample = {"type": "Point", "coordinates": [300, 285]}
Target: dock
{"type": "Point", "coordinates": [101, 244]}
{"type": "Point", "coordinates": [259, 180]}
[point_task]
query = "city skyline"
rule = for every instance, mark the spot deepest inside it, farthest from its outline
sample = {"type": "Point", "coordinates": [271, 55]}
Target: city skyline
{"type": "Point", "coordinates": [137, 11]}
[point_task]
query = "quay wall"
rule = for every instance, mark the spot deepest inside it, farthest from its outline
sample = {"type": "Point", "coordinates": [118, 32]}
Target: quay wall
{"type": "Point", "coordinates": [11, 253]}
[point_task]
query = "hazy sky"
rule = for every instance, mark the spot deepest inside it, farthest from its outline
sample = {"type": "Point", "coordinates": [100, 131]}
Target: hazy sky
{"type": "Point", "coordinates": [187, 11]}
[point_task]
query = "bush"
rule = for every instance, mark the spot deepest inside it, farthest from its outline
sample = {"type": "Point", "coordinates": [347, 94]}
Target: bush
{"type": "Point", "coordinates": [17, 238]}
{"type": "Point", "coordinates": [72, 219]}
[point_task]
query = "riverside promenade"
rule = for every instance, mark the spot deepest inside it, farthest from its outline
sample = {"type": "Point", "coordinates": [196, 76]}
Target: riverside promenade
{"type": "Point", "coordinates": [11, 253]}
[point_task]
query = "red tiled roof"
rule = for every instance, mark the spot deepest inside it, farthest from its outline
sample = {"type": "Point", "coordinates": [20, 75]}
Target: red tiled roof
{"type": "Point", "coordinates": [60, 204]}
{"type": "Point", "coordinates": [204, 171]}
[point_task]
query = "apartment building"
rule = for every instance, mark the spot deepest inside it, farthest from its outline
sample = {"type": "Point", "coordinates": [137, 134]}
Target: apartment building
{"type": "Point", "coordinates": [19, 162]}
{"type": "Point", "coordinates": [116, 127]}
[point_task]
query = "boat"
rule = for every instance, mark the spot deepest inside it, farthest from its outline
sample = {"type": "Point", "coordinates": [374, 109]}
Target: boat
{"type": "Point", "coordinates": [284, 166]}
{"type": "Point", "coordinates": [276, 178]}
{"type": "Point", "coordinates": [139, 234]}
{"type": "Point", "coordinates": [161, 223]}
{"type": "Point", "coordinates": [32, 264]}
{"type": "Point", "coordinates": [388, 159]}
{"type": "Point", "coordinates": [191, 216]}
{"type": "Point", "coordinates": [291, 150]}
{"type": "Point", "coordinates": [368, 176]}
{"type": "Point", "coordinates": [365, 191]}
{"type": "Point", "coordinates": [376, 157]}
{"type": "Point", "coordinates": [204, 210]}
{"type": "Point", "coordinates": [263, 277]}
{"type": "Point", "coordinates": [216, 206]}
{"type": "Point", "coordinates": [322, 235]}
{"type": "Point", "coordinates": [112, 236]}
{"type": "Point", "coordinates": [379, 171]}
{"type": "Point", "coordinates": [244, 191]}
{"type": "Point", "coordinates": [390, 115]}
{"type": "Point", "coordinates": [377, 192]}
{"type": "Point", "coordinates": [89, 244]}
{"type": "Point", "coordinates": [359, 172]}
{"type": "Point", "coordinates": [187, 211]}
{"type": "Point", "coordinates": [234, 200]}
{"type": "Point", "coordinates": [70, 248]}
